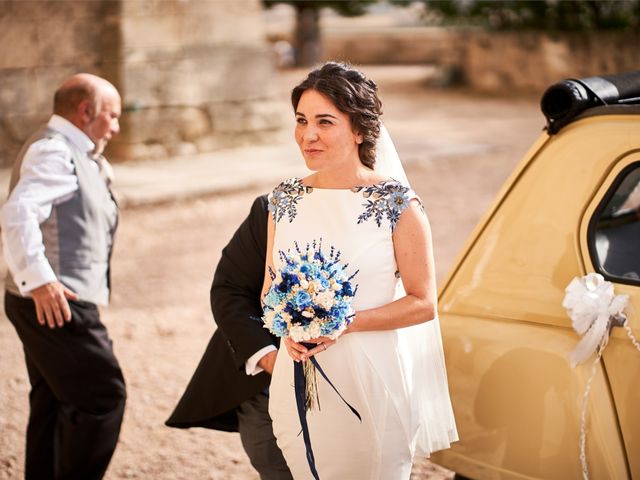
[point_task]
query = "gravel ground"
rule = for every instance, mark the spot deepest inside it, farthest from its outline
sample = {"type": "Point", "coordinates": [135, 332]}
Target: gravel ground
{"type": "Point", "coordinates": [458, 148]}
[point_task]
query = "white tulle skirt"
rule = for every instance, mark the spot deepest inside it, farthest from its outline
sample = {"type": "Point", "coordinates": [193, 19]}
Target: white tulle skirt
{"type": "Point", "coordinates": [396, 380]}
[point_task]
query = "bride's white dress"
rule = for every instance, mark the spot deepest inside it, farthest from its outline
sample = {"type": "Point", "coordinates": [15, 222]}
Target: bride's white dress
{"type": "Point", "coordinates": [396, 379]}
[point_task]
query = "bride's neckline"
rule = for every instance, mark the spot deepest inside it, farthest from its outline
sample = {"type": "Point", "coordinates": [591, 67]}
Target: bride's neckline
{"type": "Point", "coordinates": [349, 189]}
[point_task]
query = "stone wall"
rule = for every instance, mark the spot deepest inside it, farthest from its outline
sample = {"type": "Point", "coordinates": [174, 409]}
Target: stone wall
{"type": "Point", "coordinates": [198, 76]}
{"type": "Point", "coordinates": [194, 75]}
{"type": "Point", "coordinates": [391, 45]}
{"type": "Point", "coordinates": [41, 44]}
{"type": "Point", "coordinates": [532, 61]}
{"type": "Point", "coordinates": [489, 62]}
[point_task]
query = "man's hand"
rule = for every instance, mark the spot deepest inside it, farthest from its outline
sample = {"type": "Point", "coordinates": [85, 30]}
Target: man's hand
{"type": "Point", "coordinates": [268, 361]}
{"type": "Point", "coordinates": [52, 307]}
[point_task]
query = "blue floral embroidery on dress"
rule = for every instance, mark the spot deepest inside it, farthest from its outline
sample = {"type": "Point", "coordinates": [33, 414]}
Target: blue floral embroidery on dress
{"type": "Point", "coordinates": [385, 199]}
{"type": "Point", "coordinates": [284, 198]}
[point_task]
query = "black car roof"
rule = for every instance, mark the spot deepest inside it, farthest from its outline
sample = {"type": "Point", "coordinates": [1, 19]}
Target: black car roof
{"type": "Point", "coordinates": [570, 99]}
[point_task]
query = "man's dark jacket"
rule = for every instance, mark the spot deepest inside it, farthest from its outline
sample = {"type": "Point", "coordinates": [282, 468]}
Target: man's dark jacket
{"type": "Point", "coordinates": [220, 383]}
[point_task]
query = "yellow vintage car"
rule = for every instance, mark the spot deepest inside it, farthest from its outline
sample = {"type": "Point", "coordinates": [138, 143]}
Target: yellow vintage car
{"type": "Point", "coordinates": [571, 207]}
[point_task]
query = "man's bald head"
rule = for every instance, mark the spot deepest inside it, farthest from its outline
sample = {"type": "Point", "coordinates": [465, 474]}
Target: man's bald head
{"type": "Point", "coordinates": [76, 89]}
{"type": "Point", "coordinates": [92, 104]}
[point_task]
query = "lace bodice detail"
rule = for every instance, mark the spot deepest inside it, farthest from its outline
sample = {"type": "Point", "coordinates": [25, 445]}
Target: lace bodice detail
{"type": "Point", "coordinates": [382, 203]}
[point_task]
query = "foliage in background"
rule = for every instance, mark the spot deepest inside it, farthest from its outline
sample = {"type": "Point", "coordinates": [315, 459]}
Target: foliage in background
{"type": "Point", "coordinates": [575, 15]}
{"type": "Point", "coordinates": [348, 8]}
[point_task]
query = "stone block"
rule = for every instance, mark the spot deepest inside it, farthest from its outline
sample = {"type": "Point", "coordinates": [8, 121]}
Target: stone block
{"type": "Point", "coordinates": [19, 39]}
{"type": "Point", "coordinates": [404, 45]}
{"type": "Point", "coordinates": [17, 89]}
{"type": "Point", "coordinates": [143, 8]}
{"type": "Point", "coordinates": [18, 128]}
{"type": "Point", "coordinates": [63, 42]}
{"type": "Point", "coordinates": [268, 115]}
{"type": "Point", "coordinates": [219, 26]}
{"type": "Point", "coordinates": [8, 153]}
{"type": "Point", "coordinates": [222, 8]}
{"type": "Point", "coordinates": [182, 149]}
{"type": "Point", "coordinates": [193, 123]}
{"type": "Point", "coordinates": [65, 10]}
{"type": "Point", "coordinates": [244, 79]}
{"type": "Point", "coordinates": [168, 83]}
{"type": "Point", "coordinates": [152, 32]}
{"type": "Point", "coordinates": [48, 78]}
{"type": "Point", "coordinates": [7, 10]}
{"type": "Point", "coordinates": [9, 147]}
{"type": "Point", "coordinates": [118, 151]}
{"type": "Point", "coordinates": [156, 151]}
{"type": "Point", "coordinates": [166, 125]}
{"type": "Point", "coordinates": [249, 116]}
{"type": "Point", "coordinates": [149, 126]}
{"type": "Point", "coordinates": [219, 141]}
{"type": "Point", "coordinates": [208, 143]}
{"type": "Point", "coordinates": [162, 83]}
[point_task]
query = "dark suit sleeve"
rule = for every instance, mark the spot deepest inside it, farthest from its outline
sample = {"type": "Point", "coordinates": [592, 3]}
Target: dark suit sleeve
{"type": "Point", "coordinates": [237, 283]}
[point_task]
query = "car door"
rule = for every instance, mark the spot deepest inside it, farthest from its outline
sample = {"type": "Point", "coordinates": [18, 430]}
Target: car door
{"type": "Point", "coordinates": [610, 245]}
{"type": "Point", "coordinates": [506, 334]}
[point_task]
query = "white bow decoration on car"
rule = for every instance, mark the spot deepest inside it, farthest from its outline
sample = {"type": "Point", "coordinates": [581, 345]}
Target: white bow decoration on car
{"type": "Point", "coordinates": [594, 309]}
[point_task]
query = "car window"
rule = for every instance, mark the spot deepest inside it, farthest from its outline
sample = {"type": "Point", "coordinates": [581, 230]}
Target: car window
{"type": "Point", "coordinates": [614, 241]}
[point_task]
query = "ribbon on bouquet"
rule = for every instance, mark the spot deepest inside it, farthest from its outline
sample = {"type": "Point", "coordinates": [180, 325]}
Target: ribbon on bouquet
{"type": "Point", "coordinates": [300, 388]}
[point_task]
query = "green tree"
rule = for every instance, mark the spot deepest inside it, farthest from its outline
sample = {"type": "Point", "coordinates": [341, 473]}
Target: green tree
{"type": "Point", "coordinates": [307, 33]}
{"type": "Point", "coordinates": [575, 15]}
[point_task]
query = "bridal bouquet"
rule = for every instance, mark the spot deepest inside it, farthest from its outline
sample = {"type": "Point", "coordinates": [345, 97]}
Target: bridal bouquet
{"type": "Point", "coordinates": [310, 296]}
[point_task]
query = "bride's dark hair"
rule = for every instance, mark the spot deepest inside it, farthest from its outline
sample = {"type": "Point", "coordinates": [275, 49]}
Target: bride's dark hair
{"type": "Point", "coordinates": [352, 93]}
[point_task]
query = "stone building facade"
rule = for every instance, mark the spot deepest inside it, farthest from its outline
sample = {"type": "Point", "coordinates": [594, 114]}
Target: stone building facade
{"type": "Point", "coordinates": [195, 75]}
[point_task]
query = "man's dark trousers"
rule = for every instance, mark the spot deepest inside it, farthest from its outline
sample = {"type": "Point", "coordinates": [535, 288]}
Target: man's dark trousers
{"type": "Point", "coordinates": [77, 392]}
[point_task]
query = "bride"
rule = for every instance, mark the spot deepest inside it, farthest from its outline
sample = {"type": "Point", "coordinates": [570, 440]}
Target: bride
{"type": "Point", "coordinates": [389, 363]}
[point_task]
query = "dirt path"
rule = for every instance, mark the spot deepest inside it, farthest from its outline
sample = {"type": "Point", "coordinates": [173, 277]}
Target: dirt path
{"type": "Point", "coordinates": [458, 148]}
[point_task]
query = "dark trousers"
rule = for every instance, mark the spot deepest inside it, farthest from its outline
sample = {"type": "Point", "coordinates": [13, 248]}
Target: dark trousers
{"type": "Point", "coordinates": [77, 393]}
{"type": "Point", "coordinates": [256, 434]}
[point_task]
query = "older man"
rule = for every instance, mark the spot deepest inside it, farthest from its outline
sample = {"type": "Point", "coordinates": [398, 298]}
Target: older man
{"type": "Point", "coordinates": [57, 229]}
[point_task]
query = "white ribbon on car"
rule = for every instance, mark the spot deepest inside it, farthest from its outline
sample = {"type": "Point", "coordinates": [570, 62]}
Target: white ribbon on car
{"type": "Point", "coordinates": [594, 310]}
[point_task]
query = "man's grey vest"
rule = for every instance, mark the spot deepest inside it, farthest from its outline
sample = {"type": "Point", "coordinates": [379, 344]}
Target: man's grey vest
{"type": "Point", "coordinates": [78, 235]}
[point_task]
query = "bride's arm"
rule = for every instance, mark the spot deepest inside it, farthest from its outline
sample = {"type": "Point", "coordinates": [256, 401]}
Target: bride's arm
{"type": "Point", "coordinates": [414, 256]}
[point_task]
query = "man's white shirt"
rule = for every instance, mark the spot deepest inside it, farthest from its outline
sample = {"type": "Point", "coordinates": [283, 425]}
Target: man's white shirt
{"type": "Point", "coordinates": [251, 365]}
{"type": "Point", "coordinates": [47, 178]}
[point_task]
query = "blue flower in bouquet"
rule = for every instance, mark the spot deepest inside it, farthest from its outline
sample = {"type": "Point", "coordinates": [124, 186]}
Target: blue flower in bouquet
{"type": "Point", "coordinates": [332, 323]}
{"type": "Point", "coordinates": [309, 270]}
{"type": "Point", "coordinates": [273, 298]}
{"type": "Point", "coordinates": [279, 326]}
{"type": "Point", "coordinates": [301, 300]}
{"type": "Point", "coordinates": [290, 279]}
{"type": "Point", "coordinates": [346, 290]}
{"type": "Point", "coordinates": [310, 295]}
